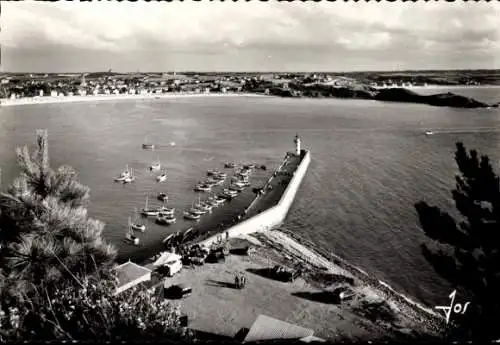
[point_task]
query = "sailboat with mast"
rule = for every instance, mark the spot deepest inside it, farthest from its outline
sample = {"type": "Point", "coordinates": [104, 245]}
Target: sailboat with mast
{"type": "Point", "coordinates": [123, 175]}
{"type": "Point", "coordinates": [146, 145]}
{"type": "Point", "coordinates": [130, 236]}
{"type": "Point", "coordinates": [156, 165]}
{"type": "Point", "coordinates": [147, 211]}
{"type": "Point", "coordinates": [137, 224]}
{"type": "Point", "coordinates": [162, 177]}
{"type": "Point", "coordinates": [130, 178]}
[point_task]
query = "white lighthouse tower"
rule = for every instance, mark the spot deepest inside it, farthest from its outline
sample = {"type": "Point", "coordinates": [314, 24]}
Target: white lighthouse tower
{"type": "Point", "coordinates": [297, 144]}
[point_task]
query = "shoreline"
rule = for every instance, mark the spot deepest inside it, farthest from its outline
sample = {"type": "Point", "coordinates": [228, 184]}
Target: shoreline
{"type": "Point", "coordinates": [7, 102]}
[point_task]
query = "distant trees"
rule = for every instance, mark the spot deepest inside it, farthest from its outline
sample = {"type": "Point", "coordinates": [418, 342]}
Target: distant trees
{"type": "Point", "coordinates": [470, 248]}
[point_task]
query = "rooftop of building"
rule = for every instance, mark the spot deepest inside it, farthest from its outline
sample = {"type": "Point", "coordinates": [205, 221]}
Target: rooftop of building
{"type": "Point", "coordinates": [129, 271]}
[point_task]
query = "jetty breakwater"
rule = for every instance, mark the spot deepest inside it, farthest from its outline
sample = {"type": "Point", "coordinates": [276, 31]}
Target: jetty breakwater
{"type": "Point", "coordinates": [258, 220]}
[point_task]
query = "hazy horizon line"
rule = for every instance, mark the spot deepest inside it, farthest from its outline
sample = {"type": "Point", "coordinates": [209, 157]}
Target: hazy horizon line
{"type": "Point", "coordinates": [262, 72]}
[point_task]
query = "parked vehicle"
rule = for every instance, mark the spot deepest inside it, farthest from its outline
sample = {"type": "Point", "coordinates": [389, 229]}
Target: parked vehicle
{"type": "Point", "coordinates": [216, 256]}
{"type": "Point", "coordinates": [177, 291]}
{"type": "Point", "coordinates": [283, 274]}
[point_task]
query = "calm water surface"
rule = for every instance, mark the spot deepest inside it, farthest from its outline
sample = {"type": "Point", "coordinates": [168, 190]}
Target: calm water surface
{"type": "Point", "coordinates": [370, 164]}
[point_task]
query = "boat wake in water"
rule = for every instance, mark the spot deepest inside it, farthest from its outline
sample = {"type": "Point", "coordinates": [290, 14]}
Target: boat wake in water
{"type": "Point", "coordinates": [462, 131]}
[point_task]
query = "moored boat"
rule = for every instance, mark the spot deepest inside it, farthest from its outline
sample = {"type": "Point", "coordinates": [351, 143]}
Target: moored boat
{"type": "Point", "coordinates": [162, 177]}
{"type": "Point", "coordinates": [156, 165]}
{"type": "Point", "coordinates": [146, 145]}
{"type": "Point", "coordinates": [162, 197]}
{"type": "Point", "coordinates": [166, 210]}
{"type": "Point", "coordinates": [147, 211]}
{"type": "Point", "coordinates": [241, 184]}
{"type": "Point", "coordinates": [202, 188]}
{"type": "Point", "coordinates": [129, 235]}
{"type": "Point", "coordinates": [123, 175]}
{"type": "Point", "coordinates": [130, 178]}
{"type": "Point", "coordinates": [191, 216]}
{"type": "Point", "coordinates": [167, 219]}
{"type": "Point", "coordinates": [137, 225]}
{"type": "Point", "coordinates": [229, 165]}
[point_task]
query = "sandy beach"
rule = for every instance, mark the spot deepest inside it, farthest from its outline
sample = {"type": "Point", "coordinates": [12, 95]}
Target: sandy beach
{"type": "Point", "coordinates": [215, 306]}
{"type": "Point", "coordinates": [6, 102]}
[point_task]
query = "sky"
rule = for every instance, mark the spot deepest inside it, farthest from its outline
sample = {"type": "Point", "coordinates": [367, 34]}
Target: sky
{"type": "Point", "coordinates": [71, 36]}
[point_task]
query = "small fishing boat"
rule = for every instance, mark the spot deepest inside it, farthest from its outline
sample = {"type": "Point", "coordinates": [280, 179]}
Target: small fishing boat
{"type": "Point", "coordinates": [137, 225]}
{"type": "Point", "coordinates": [238, 177]}
{"type": "Point", "coordinates": [229, 165]}
{"type": "Point", "coordinates": [123, 175]}
{"type": "Point", "coordinates": [191, 216]}
{"type": "Point", "coordinates": [197, 211]}
{"type": "Point", "coordinates": [203, 206]}
{"type": "Point", "coordinates": [129, 235]}
{"type": "Point", "coordinates": [211, 172]}
{"type": "Point", "coordinates": [249, 166]}
{"type": "Point", "coordinates": [429, 132]}
{"type": "Point", "coordinates": [162, 177]}
{"type": "Point", "coordinates": [202, 188]}
{"type": "Point", "coordinates": [146, 211]}
{"type": "Point", "coordinates": [210, 204]}
{"type": "Point", "coordinates": [166, 219]}
{"type": "Point", "coordinates": [220, 199]}
{"type": "Point", "coordinates": [231, 193]}
{"type": "Point", "coordinates": [172, 143]}
{"type": "Point", "coordinates": [241, 184]}
{"type": "Point", "coordinates": [146, 145]}
{"type": "Point", "coordinates": [166, 210]}
{"type": "Point", "coordinates": [130, 178]}
{"type": "Point", "coordinates": [162, 197]}
{"type": "Point", "coordinates": [220, 175]}
{"type": "Point", "coordinates": [156, 165]}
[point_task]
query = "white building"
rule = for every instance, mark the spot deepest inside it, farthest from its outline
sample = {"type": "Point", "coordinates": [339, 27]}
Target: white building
{"type": "Point", "coordinates": [129, 275]}
{"type": "Point", "coordinates": [82, 92]}
{"type": "Point", "coordinates": [53, 93]}
{"type": "Point", "coordinates": [40, 93]}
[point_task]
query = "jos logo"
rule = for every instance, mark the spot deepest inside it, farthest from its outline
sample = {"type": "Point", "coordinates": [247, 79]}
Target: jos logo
{"type": "Point", "coordinates": [453, 307]}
